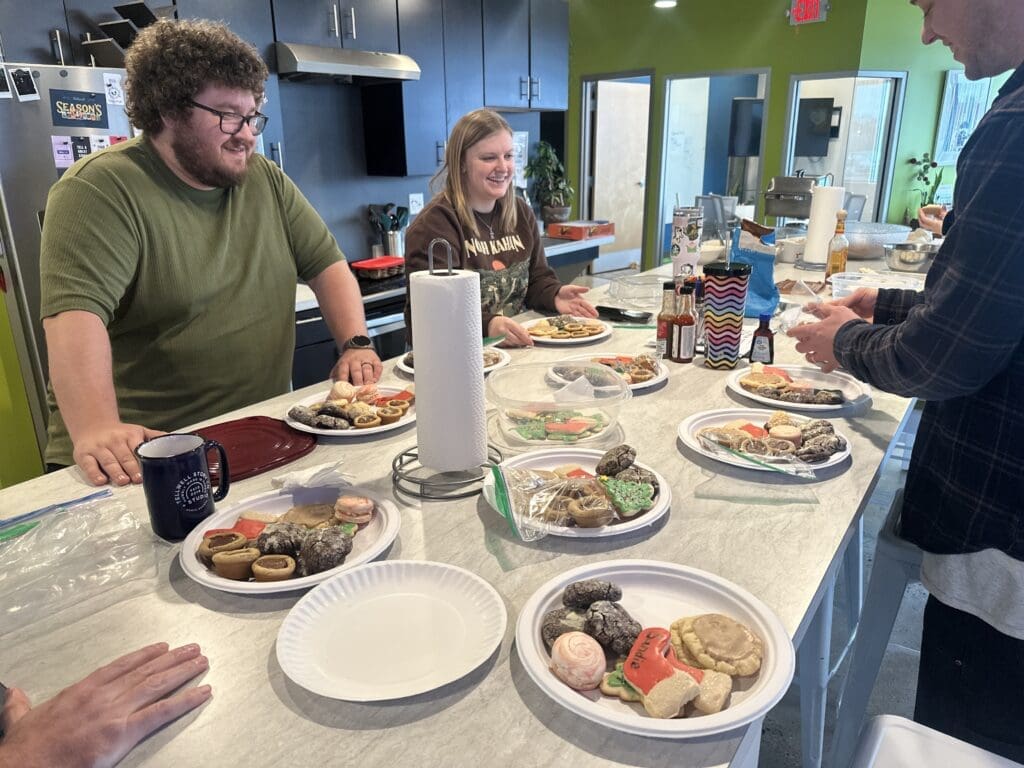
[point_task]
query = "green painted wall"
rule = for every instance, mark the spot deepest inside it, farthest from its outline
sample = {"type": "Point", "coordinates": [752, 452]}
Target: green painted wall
{"type": "Point", "coordinates": [626, 36]}
{"type": "Point", "coordinates": [19, 454]}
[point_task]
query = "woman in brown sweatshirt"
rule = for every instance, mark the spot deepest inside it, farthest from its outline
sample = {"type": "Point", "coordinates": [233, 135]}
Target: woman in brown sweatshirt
{"type": "Point", "coordinates": [491, 231]}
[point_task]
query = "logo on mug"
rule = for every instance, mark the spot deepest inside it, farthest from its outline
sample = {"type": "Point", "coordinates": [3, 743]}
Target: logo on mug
{"type": "Point", "coordinates": [192, 492]}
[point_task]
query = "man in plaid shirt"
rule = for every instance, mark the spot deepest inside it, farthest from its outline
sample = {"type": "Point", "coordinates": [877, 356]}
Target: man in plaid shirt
{"type": "Point", "coordinates": [958, 345]}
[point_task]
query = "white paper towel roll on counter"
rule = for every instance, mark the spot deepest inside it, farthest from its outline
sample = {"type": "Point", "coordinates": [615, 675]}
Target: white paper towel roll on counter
{"type": "Point", "coordinates": [825, 202]}
{"type": "Point", "coordinates": [451, 417]}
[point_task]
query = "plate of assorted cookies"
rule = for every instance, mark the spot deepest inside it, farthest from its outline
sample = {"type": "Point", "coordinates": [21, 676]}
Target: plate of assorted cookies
{"type": "Point", "coordinates": [567, 330]}
{"type": "Point", "coordinates": [655, 649]}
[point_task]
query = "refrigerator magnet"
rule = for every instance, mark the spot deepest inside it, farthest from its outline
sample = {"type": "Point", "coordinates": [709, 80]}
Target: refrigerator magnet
{"type": "Point", "coordinates": [5, 84]}
{"type": "Point", "coordinates": [62, 157]}
{"type": "Point", "coordinates": [115, 91]}
{"type": "Point", "coordinates": [24, 84]}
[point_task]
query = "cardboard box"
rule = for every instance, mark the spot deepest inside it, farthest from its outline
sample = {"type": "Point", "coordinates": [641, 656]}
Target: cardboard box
{"type": "Point", "coordinates": [580, 230]}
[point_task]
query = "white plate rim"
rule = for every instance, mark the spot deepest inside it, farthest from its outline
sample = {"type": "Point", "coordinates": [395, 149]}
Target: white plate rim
{"type": "Point", "coordinates": [661, 376]}
{"type": "Point", "coordinates": [686, 429]}
{"type": "Point", "coordinates": [409, 417]}
{"type": "Point", "coordinates": [546, 340]}
{"type": "Point", "coordinates": [199, 573]}
{"type": "Point", "coordinates": [380, 570]}
{"type": "Point", "coordinates": [778, 666]}
{"type": "Point", "coordinates": [650, 517]}
{"type": "Point", "coordinates": [804, 371]}
{"type": "Point", "coordinates": [506, 358]}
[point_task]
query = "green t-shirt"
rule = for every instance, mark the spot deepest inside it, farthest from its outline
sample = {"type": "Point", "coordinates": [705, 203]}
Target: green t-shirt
{"type": "Point", "coordinates": [197, 288]}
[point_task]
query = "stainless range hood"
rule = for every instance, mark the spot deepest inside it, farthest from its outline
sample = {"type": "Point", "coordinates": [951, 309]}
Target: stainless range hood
{"type": "Point", "coordinates": [299, 61]}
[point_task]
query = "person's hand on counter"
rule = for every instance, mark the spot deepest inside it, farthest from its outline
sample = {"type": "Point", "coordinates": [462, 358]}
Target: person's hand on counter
{"type": "Point", "coordinates": [569, 301]}
{"type": "Point", "coordinates": [515, 335]}
{"type": "Point", "coordinates": [98, 720]}
{"type": "Point", "coordinates": [359, 366]}
{"type": "Point", "coordinates": [817, 340]}
{"type": "Point", "coordinates": [106, 452]}
{"type": "Point", "coordinates": [862, 302]}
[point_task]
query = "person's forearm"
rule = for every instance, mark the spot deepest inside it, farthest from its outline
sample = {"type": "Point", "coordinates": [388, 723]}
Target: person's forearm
{"type": "Point", "coordinates": [341, 304]}
{"type": "Point", "coordinates": [80, 370]}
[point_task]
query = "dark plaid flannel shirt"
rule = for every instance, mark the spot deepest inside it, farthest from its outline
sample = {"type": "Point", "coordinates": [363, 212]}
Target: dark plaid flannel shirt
{"type": "Point", "coordinates": [958, 345]}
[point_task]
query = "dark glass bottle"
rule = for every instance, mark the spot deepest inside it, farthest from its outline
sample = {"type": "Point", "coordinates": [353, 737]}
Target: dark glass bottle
{"type": "Point", "coordinates": [665, 318]}
{"type": "Point", "coordinates": [762, 350]}
{"type": "Point", "coordinates": [684, 328]}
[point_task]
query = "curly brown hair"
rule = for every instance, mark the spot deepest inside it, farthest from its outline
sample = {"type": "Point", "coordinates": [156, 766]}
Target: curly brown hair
{"type": "Point", "coordinates": [171, 61]}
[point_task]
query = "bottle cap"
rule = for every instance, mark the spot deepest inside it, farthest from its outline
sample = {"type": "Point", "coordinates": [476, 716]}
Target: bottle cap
{"type": "Point", "coordinates": [668, 285]}
{"type": "Point", "coordinates": [764, 318]}
{"type": "Point", "coordinates": [687, 288]}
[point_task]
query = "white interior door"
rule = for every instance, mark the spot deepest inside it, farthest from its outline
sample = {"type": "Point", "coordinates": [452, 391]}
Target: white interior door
{"type": "Point", "coordinates": [620, 168]}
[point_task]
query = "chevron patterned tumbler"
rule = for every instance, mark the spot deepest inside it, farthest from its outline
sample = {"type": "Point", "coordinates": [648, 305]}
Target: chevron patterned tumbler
{"type": "Point", "coordinates": [725, 294]}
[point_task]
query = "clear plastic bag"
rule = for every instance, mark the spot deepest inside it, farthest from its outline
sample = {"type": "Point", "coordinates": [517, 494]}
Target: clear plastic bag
{"type": "Point", "coordinates": [787, 464]}
{"type": "Point", "coordinates": [75, 556]}
{"type": "Point", "coordinates": [534, 502]}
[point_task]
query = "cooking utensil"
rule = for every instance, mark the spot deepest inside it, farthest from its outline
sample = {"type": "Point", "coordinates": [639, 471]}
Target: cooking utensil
{"type": "Point", "coordinates": [910, 257]}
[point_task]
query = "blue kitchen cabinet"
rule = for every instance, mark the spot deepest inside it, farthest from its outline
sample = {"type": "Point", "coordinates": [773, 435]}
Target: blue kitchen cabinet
{"type": "Point", "coordinates": [526, 54]}
{"type": "Point", "coordinates": [364, 25]}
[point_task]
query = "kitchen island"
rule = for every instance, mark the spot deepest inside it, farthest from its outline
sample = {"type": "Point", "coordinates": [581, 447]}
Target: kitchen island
{"type": "Point", "coordinates": [784, 546]}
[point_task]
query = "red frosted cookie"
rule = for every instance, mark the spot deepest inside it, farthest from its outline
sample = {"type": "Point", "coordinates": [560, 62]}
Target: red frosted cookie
{"type": "Point", "coordinates": [665, 687]}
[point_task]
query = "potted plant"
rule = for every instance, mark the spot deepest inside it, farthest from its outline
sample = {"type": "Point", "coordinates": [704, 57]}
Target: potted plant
{"type": "Point", "coordinates": [928, 177]}
{"type": "Point", "coordinates": [550, 187]}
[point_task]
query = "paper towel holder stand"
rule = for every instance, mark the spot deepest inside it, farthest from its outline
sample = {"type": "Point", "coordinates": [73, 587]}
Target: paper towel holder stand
{"type": "Point", "coordinates": [411, 478]}
{"type": "Point", "coordinates": [430, 256]}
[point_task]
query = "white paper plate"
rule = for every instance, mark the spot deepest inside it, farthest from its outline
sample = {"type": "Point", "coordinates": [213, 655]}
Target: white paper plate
{"type": "Point", "coordinates": [506, 358]}
{"type": "Point", "coordinates": [368, 543]}
{"type": "Point", "coordinates": [569, 342]}
{"type": "Point", "coordinates": [554, 457]}
{"type": "Point", "coordinates": [656, 594]}
{"type": "Point", "coordinates": [850, 387]}
{"type": "Point", "coordinates": [390, 630]}
{"type": "Point", "coordinates": [689, 428]}
{"type": "Point", "coordinates": [408, 418]}
{"type": "Point", "coordinates": [662, 372]}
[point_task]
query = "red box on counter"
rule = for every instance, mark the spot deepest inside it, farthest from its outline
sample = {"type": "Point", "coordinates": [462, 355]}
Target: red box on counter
{"type": "Point", "coordinates": [580, 230]}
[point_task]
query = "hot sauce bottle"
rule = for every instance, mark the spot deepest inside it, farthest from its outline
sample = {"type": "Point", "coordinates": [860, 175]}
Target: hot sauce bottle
{"type": "Point", "coordinates": [665, 318]}
{"type": "Point", "coordinates": [684, 328]}
{"type": "Point", "coordinates": [762, 350]}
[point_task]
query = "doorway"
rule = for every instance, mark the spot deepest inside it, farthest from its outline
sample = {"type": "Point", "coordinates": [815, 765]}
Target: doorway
{"type": "Point", "coordinates": [714, 135]}
{"type": "Point", "coordinates": [844, 128]}
{"type": "Point", "coordinates": [616, 121]}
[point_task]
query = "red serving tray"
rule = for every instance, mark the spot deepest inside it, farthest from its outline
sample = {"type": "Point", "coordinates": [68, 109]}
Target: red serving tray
{"type": "Point", "coordinates": [381, 262]}
{"type": "Point", "coordinates": [255, 444]}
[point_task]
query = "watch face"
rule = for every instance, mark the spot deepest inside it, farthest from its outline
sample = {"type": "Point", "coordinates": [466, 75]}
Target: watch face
{"type": "Point", "coordinates": [358, 342]}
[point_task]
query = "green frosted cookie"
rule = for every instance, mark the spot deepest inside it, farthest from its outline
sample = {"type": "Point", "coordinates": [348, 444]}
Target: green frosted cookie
{"type": "Point", "coordinates": [629, 498]}
{"type": "Point", "coordinates": [614, 683]}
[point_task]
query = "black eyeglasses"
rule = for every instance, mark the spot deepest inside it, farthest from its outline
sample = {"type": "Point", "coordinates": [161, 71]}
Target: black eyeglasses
{"type": "Point", "coordinates": [232, 122]}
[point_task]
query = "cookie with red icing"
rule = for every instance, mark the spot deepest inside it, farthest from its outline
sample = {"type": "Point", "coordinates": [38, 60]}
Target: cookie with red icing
{"type": "Point", "coordinates": [664, 687]}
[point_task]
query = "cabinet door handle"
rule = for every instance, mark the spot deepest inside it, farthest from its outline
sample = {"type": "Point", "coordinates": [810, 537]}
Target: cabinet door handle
{"type": "Point", "coordinates": [333, 22]}
{"type": "Point", "coordinates": [351, 14]}
{"type": "Point", "coordinates": [277, 153]}
{"type": "Point", "coordinates": [439, 152]}
{"type": "Point", "coordinates": [524, 88]}
{"type": "Point", "coordinates": [534, 81]}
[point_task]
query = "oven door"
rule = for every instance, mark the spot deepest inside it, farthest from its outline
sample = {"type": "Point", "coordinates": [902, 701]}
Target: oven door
{"type": "Point", "coordinates": [386, 326]}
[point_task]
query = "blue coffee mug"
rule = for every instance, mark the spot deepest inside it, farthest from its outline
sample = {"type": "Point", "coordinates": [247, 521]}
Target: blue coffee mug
{"type": "Point", "coordinates": [176, 481]}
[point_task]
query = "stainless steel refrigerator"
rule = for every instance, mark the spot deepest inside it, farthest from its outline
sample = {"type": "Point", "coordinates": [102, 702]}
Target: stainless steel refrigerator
{"type": "Point", "coordinates": [50, 116]}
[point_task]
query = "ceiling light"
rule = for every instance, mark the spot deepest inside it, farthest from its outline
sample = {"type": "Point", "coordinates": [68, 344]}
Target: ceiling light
{"type": "Point", "coordinates": [664, 3]}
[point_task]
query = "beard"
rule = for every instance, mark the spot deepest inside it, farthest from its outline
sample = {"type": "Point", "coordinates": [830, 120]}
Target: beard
{"type": "Point", "coordinates": [207, 170]}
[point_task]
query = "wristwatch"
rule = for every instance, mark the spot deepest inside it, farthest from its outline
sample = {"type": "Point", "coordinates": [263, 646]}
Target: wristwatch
{"type": "Point", "coordinates": [359, 342]}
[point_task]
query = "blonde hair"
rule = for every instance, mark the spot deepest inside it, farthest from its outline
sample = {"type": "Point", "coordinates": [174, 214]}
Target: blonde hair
{"type": "Point", "coordinates": [472, 128]}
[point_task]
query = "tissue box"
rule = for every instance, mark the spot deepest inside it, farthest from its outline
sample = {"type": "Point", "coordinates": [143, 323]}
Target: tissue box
{"type": "Point", "coordinates": [580, 230]}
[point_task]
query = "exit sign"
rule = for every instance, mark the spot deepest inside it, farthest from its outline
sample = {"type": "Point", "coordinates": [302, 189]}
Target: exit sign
{"type": "Point", "coordinates": [807, 11]}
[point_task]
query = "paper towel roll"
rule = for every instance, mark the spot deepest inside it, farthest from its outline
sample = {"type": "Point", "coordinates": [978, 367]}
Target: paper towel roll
{"type": "Point", "coordinates": [451, 418]}
{"type": "Point", "coordinates": [825, 202]}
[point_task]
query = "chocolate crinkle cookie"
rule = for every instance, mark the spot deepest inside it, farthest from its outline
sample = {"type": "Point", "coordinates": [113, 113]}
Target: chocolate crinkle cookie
{"type": "Point", "coordinates": [612, 626]}
{"type": "Point", "coordinates": [282, 539]}
{"type": "Point", "coordinates": [558, 622]}
{"type": "Point", "coordinates": [580, 594]}
{"type": "Point", "coordinates": [324, 549]}
{"type": "Point", "coordinates": [635, 474]}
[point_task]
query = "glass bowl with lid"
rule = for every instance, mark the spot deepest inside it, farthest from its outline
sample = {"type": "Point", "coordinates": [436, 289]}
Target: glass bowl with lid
{"type": "Point", "coordinates": [539, 408]}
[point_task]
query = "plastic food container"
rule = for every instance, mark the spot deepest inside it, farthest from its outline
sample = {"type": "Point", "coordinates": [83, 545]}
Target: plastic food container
{"type": "Point", "coordinates": [382, 266]}
{"type": "Point", "coordinates": [910, 257]}
{"type": "Point", "coordinates": [535, 408]}
{"type": "Point", "coordinates": [637, 290]}
{"type": "Point", "coordinates": [845, 283]}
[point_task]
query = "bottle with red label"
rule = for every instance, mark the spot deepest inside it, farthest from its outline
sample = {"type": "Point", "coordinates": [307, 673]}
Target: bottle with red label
{"type": "Point", "coordinates": [665, 318]}
{"type": "Point", "coordinates": [684, 328]}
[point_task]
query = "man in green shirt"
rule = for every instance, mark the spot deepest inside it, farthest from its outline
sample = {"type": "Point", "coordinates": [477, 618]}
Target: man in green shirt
{"type": "Point", "coordinates": [169, 261]}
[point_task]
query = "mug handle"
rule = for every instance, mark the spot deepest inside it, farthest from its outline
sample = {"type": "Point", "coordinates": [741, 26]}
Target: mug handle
{"type": "Point", "coordinates": [224, 482]}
